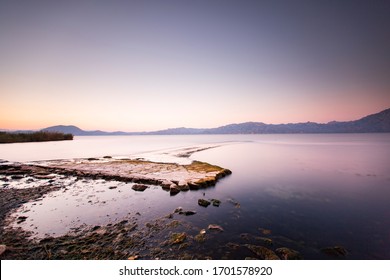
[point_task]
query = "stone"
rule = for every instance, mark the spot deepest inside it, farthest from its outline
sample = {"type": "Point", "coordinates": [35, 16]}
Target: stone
{"type": "Point", "coordinates": [177, 238]}
{"type": "Point", "coordinates": [21, 219]}
{"type": "Point", "coordinates": [3, 248]}
{"type": "Point", "coordinates": [173, 190]}
{"type": "Point", "coordinates": [336, 251]}
{"type": "Point", "coordinates": [234, 202]}
{"type": "Point", "coordinates": [139, 187]}
{"type": "Point", "coordinates": [203, 202]}
{"type": "Point", "coordinates": [289, 254]}
{"type": "Point", "coordinates": [215, 227]}
{"type": "Point", "coordinates": [187, 213]}
{"type": "Point", "coordinates": [216, 202]}
{"type": "Point", "coordinates": [262, 252]}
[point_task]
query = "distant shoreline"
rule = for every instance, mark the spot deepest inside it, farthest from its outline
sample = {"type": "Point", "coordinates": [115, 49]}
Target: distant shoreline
{"type": "Point", "coordinates": [40, 136]}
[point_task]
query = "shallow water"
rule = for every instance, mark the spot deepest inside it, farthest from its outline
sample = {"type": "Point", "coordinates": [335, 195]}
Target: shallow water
{"type": "Point", "coordinates": [304, 192]}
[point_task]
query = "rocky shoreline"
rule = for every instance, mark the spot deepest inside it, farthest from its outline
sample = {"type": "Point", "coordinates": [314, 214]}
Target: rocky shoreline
{"type": "Point", "coordinates": [121, 240]}
{"type": "Point", "coordinates": [172, 235]}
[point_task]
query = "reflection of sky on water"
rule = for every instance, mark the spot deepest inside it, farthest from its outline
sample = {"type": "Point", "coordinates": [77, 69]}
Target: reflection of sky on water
{"type": "Point", "coordinates": [311, 191]}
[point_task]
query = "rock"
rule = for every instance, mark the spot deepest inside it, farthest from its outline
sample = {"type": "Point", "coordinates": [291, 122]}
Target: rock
{"type": "Point", "coordinates": [266, 241]}
{"type": "Point", "coordinates": [233, 246]}
{"type": "Point", "coordinates": [178, 210]}
{"type": "Point", "coordinates": [112, 187]}
{"type": "Point", "coordinates": [177, 238]}
{"type": "Point", "coordinates": [107, 157]}
{"type": "Point", "coordinates": [216, 202]}
{"type": "Point", "coordinates": [184, 188]}
{"type": "Point", "coordinates": [182, 184]}
{"type": "Point", "coordinates": [187, 213]}
{"type": "Point", "coordinates": [203, 202]}
{"type": "Point", "coordinates": [21, 219]}
{"type": "Point", "coordinates": [289, 254]}
{"type": "Point", "coordinates": [95, 228]}
{"type": "Point", "coordinates": [265, 231]}
{"type": "Point", "coordinates": [336, 251]}
{"type": "Point", "coordinates": [17, 177]}
{"type": "Point", "coordinates": [215, 227]}
{"type": "Point", "coordinates": [262, 252]}
{"type": "Point", "coordinates": [44, 176]}
{"type": "Point", "coordinates": [3, 248]}
{"type": "Point", "coordinates": [235, 203]}
{"type": "Point", "coordinates": [201, 237]}
{"type": "Point", "coordinates": [139, 187]}
{"type": "Point", "coordinates": [173, 190]}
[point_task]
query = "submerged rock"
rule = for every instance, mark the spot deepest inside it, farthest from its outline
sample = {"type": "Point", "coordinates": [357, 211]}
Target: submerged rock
{"type": "Point", "coordinates": [21, 219]}
{"type": "Point", "coordinates": [203, 202]}
{"type": "Point", "coordinates": [3, 248]}
{"type": "Point", "coordinates": [289, 254]}
{"type": "Point", "coordinates": [173, 190]}
{"type": "Point", "coordinates": [139, 187]}
{"type": "Point", "coordinates": [201, 237]}
{"type": "Point", "coordinates": [215, 227]}
{"type": "Point", "coordinates": [177, 238]}
{"type": "Point", "coordinates": [262, 252]}
{"type": "Point", "coordinates": [216, 202]}
{"type": "Point", "coordinates": [336, 251]}
{"type": "Point", "coordinates": [234, 202]}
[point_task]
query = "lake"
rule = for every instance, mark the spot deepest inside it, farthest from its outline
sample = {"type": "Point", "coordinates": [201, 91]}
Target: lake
{"type": "Point", "coordinates": [302, 191]}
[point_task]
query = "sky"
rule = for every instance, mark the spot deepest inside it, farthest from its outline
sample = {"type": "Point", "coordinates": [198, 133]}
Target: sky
{"type": "Point", "coordinates": [150, 65]}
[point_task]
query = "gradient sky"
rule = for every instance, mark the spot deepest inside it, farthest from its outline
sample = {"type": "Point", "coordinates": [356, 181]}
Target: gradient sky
{"type": "Point", "coordinates": [148, 65]}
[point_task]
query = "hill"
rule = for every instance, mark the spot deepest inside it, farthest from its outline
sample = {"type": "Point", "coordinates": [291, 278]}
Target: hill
{"type": "Point", "coordinates": [379, 122]}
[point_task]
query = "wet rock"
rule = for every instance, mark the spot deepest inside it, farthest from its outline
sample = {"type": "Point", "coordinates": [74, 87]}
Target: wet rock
{"type": "Point", "coordinates": [177, 238]}
{"type": "Point", "coordinates": [44, 176]}
{"type": "Point", "coordinates": [201, 237]}
{"type": "Point", "coordinates": [288, 254]}
{"type": "Point", "coordinates": [262, 252]}
{"type": "Point", "coordinates": [174, 190]}
{"type": "Point", "coordinates": [95, 228]}
{"type": "Point", "coordinates": [203, 202]}
{"type": "Point", "coordinates": [265, 241]}
{"type": "Point", "coordinates": [139, 187]}
{"type": "Point", "coordinates": [187, 213]}
{"type": "Point", "coordinates": [336, 251]}
{"type": "Point", "coordinates": [234, 202]}
{"type": "Point", "coordinates": [178, 210]}
{"type": "Point", "coordinates": [215, 227]}
{"type": "Point", "coordinates": [3, 248]}
{"type": "Point", "coordinates": [107, 157]}
{"type": "Point", "coordinates": [184, 188]}
{"type": "Point", "coordinates": [17, 177]}
{"type": "Point", "coordinates": [90, 159]}
{"type": "Point", "coordinates": [112, 187]}
{"type": "Point", "coordinates": [21, 219]}
{"type": "Point", "coordinates": [265, 231]}
{"type": "Point", "coordinates": [215, 202]}
{"type": "Point", "coordinates": [233, 246]}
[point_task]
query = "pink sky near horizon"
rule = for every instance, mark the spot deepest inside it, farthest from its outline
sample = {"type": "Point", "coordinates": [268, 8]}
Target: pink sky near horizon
{"type": "Point", "coordinates": [141, 66]}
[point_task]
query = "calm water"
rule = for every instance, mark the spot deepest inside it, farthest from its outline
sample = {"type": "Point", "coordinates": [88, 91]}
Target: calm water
{"type": "Point", "coordinates": [308, 191]}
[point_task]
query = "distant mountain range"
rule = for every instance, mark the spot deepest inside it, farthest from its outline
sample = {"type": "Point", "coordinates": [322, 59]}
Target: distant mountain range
{"type": "Point", "coordinates": [379, 122]}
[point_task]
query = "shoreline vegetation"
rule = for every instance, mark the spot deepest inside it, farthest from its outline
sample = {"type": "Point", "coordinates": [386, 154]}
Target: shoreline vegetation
{"type": "Point", "coordinates": [39, 136]}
